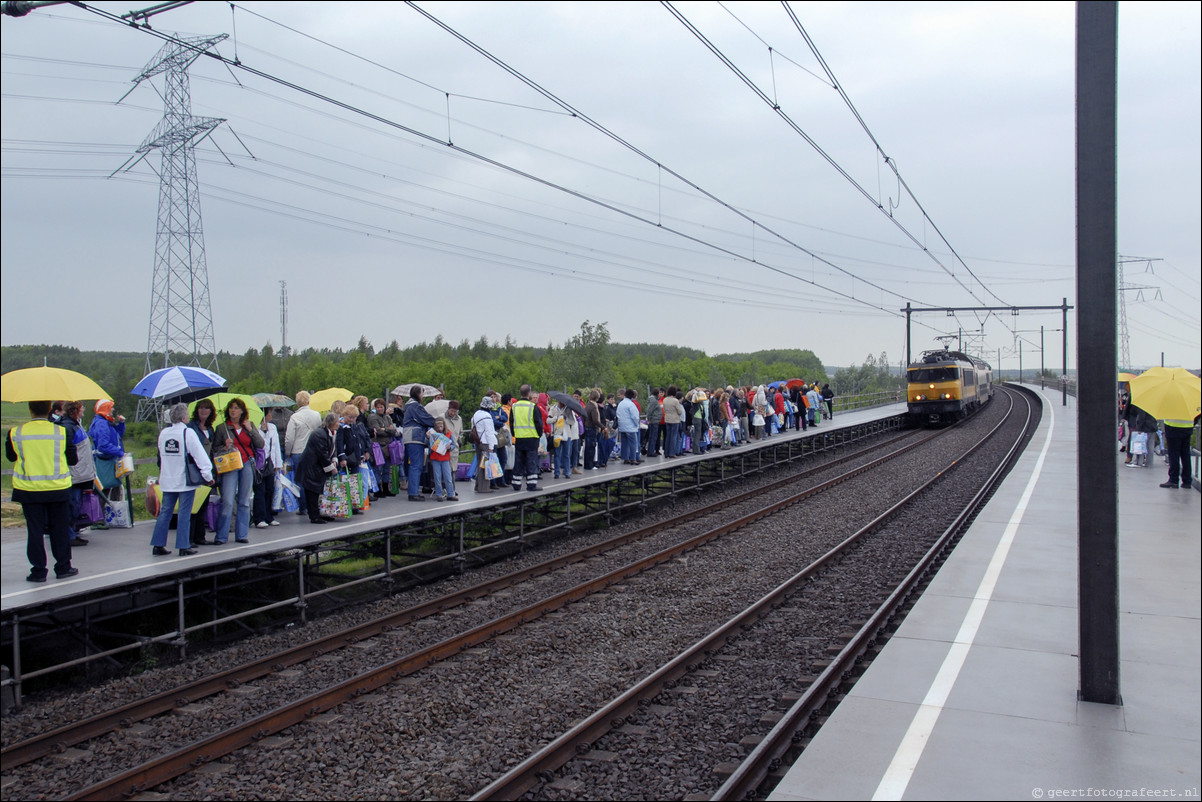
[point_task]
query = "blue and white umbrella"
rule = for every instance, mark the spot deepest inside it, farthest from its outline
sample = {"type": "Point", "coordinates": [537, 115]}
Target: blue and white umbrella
{"type": "Point", "coordinates": [179, 383]}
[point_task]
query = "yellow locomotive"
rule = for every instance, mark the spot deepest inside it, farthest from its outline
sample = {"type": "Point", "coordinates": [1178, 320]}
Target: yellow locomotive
{"type": "Point", "coordinates": [947, 385]}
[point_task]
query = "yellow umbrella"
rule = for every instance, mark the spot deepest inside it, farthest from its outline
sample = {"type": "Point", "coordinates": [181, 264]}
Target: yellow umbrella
{"type": "Point", "coordinates": [49, 384]}
{"type": "Point", "coordinates": [1167, 393]}
{"type": "Point", "coordinates": [322, 400]}
{"type": "Point", "coordinates": [1126, 377]}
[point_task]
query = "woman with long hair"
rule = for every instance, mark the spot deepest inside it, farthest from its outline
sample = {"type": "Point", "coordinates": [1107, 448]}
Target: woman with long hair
{"type": "Point", "coordinates": [236, 433]}
{"type": "Point", "coordinates": [204, 415]}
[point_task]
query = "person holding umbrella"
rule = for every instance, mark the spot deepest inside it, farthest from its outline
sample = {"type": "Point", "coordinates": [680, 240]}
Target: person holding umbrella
{"type": "Point", "coordinates": [204, 417]}
{"type": "Point", "coordinates": [416, 423]}
{"type": "Point", "coordinates": [238, 433]}
{"type": "Point", "coordinates": [1172, 395]}
{"type": "Point", "coordinates": [42, 455]}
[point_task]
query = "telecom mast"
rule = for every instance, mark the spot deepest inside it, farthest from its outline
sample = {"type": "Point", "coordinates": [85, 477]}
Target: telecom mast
{"type": "Point", "coordinates": [283, 319]}
{"type": "Point", "coordinates": [181, 318]}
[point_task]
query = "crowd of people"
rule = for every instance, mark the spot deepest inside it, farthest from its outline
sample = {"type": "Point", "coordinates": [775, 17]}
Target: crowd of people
{"type": "Point", "coordinates": [222, 459]}
{"type": "Point", "coordinates": [1141, 434]}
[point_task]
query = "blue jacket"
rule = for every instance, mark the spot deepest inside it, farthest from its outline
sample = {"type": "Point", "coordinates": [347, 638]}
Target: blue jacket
{"type": "Point", "coordinates": [628, 416]}
{"type": "Point", "coordinates": [107, 438]}
{"type": "Point", "coordinates": [417, 420]}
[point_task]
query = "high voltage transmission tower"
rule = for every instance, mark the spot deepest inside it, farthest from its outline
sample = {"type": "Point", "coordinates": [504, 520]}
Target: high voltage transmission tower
{"type": "Point", "coordinates": [1124, 288]}
{"type": "Point", "coordinates": [181, 318]}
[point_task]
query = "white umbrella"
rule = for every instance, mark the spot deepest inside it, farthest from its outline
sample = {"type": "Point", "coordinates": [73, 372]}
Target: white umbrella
{"type": "Point", "coordinates": [402, 390]}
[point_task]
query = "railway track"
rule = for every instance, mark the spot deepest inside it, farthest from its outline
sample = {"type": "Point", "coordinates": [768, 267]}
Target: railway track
{"type": "Point", "coordinates": [627, 736]}
{"type": "Point", "coordinates": [612, 567]}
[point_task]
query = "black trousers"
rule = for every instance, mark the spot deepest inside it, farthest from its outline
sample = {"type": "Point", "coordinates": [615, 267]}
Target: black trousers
{"type": "Point", "coordinates": [53, 518]}
{"type": "Point", "coordinates": [1176, 445]}
{"type": "Point", "coordinates": [526, 462]}
{"type": "Point", "coordinates": [312, 503]}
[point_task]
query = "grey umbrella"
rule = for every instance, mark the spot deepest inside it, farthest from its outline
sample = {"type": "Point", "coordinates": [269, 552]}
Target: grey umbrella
{"type": "Point", "coordinates": [568, 401]}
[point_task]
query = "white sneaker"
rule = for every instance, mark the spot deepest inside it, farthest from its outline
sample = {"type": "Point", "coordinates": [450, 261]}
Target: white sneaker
{"type": "Point", "coordinates": [275, 523]}
{"type": "Point", "coordinates": [261, 525]}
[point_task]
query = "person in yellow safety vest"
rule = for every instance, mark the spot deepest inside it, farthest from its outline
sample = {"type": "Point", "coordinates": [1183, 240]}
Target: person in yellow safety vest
{"type": "Point", "coordinates": [42, 456]}
{"type": "Point", "coordinates": [1176, 446]}
{"type": "Point", "coordinates": [526, 420]}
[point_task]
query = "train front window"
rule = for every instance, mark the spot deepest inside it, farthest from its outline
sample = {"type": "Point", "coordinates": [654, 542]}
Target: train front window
{"type": "Point", "coordinates": [932, 375]}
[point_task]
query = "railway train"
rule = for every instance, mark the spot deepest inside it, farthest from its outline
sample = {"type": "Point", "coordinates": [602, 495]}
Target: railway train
{"type": "Point", "coordinates": [946, 385]}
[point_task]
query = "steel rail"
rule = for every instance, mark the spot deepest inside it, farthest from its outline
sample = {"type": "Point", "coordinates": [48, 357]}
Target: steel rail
{"type": "Point", "coordinates": [184, 759]}
{"type": "Point", "coordinates": [59, 739]}
{"type": "Point", "coordinates": [514, 783]}
{"type": "Point", "coordinates": [754, 769]}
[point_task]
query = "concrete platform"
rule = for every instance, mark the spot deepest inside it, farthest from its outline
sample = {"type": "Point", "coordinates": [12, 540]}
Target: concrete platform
{"type": "Point", "coordinates": [117, 557]}
{"type": "Point", "coordinates": [975, 697]}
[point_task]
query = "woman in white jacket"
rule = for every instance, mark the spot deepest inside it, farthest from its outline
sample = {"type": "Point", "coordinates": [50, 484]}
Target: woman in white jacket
{"type": "Point", "coordinates": [486, 433]}
{"type": "Point", "coordinates": [178, 443]}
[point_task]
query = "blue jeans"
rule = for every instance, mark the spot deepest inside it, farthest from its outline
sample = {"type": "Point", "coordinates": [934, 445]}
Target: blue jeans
{"type": "Point", "coordinates": [415, 455]}
{"type": "Point", "coordinates": [630, 446]}
{"type": "Point", "coordinates": [76, 497]}
{"type": "Point", "coordinates": [564, 454]}
{"type": "Point", "coordinates": [236, 487]}
{"type": "Point", "coordinates": [444, 477]}
{"type": "Point", "coordinates": [605, 447]}
{"type": "Point", "coordinates": [672, 440]}
{"type": "Point", "coordinates": [183, 526]}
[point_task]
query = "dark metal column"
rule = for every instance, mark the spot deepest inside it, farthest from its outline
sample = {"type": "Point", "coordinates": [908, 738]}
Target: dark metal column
{"type": "Point", "coordinates": [1097, 467]}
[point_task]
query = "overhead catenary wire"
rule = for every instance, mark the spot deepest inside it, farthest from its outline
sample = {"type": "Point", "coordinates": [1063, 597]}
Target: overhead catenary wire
{"type": "Point", "coordinates": [810, 140]}
{"type": "Point", "coordinates": [1004, 278]}
{"type": "Point", "coordinates": [503, 166]}
{"type": "Point", "coordinates": [577, 113]}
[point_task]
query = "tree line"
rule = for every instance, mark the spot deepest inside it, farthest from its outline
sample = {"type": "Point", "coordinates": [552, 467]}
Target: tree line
{"type": "Point", "coordinates": [467, 370]}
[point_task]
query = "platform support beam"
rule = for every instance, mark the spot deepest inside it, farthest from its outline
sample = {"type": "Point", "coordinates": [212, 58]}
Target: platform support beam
{"type": "Point", "coordinates": [1097, 465]}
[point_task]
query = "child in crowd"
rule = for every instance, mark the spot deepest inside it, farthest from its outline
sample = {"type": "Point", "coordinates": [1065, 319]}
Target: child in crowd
{"type": "Point", "coordinates": [440, 461]}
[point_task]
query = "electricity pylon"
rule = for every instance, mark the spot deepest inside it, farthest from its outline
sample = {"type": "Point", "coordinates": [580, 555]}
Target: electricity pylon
{"type": "Point", "coordinates": [181, 318]}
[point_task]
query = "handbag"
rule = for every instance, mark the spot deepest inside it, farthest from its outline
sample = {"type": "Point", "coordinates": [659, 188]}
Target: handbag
{"type": "Point", "coordinates": [90, 511]}
{"type": "Point", "coordinates": [195, 477]}
{"type": "Point", "coordinates": [377, 454]}
{"type": "Point", "coordinates": [231, 461]}
{"type": "Point", "coordinates": [106, 473]}
{"type": "Point", "coordinates": [396, 452]}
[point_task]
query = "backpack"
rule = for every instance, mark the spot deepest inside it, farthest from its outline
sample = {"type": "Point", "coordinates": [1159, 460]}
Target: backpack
{"type": "Point", "coordinates": [473, 436]}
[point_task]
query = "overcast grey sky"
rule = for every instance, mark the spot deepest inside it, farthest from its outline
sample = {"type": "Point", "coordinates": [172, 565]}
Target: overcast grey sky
{"type": "Point", "coordinates": [538, 221]}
